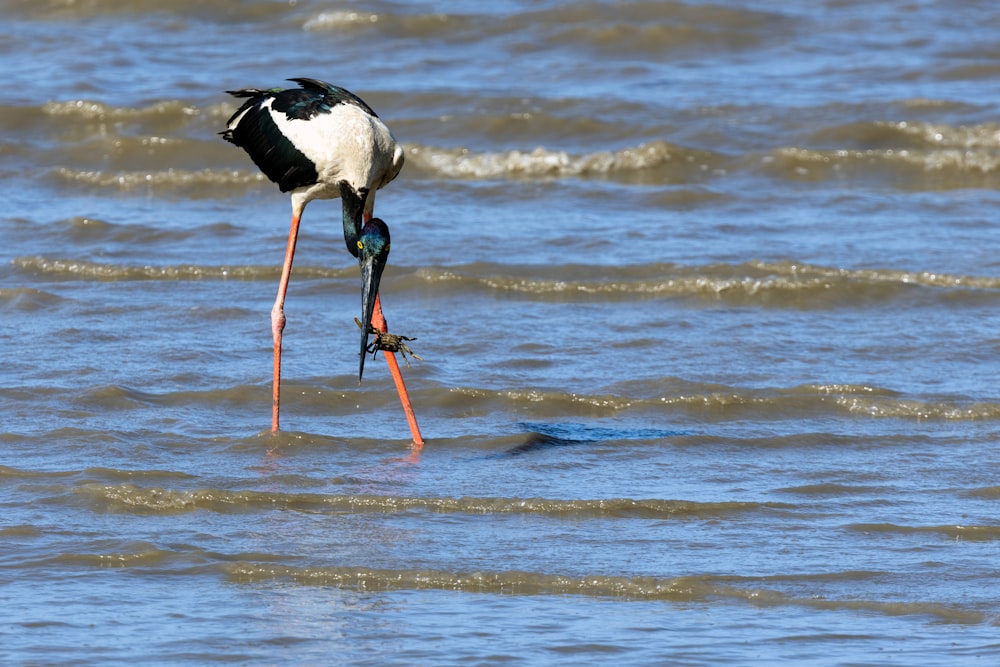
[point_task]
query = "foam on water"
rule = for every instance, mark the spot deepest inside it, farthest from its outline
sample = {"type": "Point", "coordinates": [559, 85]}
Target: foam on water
{"type": "Point", "coordinates": [706, 295]}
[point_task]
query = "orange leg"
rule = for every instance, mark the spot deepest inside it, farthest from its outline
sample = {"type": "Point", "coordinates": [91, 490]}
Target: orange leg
{"type": "Point", "coordinates": [378, 322]}
{"type": "Point", "coordinates": [278, 319]}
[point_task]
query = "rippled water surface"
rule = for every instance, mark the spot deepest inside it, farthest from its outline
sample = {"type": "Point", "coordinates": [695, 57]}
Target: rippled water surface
{"type": "Point", "coordinates": [706, 296]}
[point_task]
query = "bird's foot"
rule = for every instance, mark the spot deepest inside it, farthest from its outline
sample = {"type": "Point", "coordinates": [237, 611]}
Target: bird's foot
{"type": "Point", "coordinates": [388, 342]}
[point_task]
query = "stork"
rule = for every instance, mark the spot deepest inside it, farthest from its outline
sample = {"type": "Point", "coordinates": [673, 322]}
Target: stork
{"type": "Point", "coordinates": [320, 141]}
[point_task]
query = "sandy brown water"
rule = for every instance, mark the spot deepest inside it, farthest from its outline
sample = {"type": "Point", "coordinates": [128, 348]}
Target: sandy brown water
{"type": "Point", "coordinates": [707, 297]}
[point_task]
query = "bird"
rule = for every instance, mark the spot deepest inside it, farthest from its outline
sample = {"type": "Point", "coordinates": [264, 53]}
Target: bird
{"type": "Point", "coordinates": [320, 141]}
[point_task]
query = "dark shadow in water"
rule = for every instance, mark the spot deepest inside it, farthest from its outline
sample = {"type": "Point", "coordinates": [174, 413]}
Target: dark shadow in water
{"type": "Point", "coordinates": [547, 436]}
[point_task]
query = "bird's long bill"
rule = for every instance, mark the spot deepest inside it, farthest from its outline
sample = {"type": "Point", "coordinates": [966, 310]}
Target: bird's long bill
{"type": "Point", "coordinates": [371, 274]}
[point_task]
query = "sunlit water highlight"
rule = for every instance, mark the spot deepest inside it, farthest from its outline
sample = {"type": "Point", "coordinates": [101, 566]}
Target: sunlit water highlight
{"type": "Point", "coordinates": [706, 296]}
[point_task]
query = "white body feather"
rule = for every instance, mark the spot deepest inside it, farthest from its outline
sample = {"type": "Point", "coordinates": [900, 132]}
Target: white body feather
{"type": "Point", "coordinates": [347, 144]}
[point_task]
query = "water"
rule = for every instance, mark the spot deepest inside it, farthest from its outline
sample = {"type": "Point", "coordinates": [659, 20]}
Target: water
{"type": "Point", "coordinates": [707, 298]}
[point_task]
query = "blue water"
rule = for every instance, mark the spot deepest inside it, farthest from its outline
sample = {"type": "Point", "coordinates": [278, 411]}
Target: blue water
{"type": "Point", "coordinates": [706, 298]}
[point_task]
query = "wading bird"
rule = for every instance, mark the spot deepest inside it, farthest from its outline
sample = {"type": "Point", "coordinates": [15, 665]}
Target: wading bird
{"type": "Point", "coordinates": [320, 141]}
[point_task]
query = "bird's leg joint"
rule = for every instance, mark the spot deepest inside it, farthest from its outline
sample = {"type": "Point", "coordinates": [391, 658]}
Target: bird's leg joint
{"type": "Point", "coordinates": [277, 321]}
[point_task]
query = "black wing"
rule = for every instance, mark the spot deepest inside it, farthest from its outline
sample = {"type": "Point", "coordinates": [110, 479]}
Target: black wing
{"type": "Point", "coordinates": [257, 134]}
{"type": "Point", "coordinates": [272, 152]}
{"type": "Point", "coordinates": [331, 95]}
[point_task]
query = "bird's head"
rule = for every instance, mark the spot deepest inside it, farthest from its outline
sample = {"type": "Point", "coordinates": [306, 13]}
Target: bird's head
{"type": "Point", "coordinates": [373, 253]}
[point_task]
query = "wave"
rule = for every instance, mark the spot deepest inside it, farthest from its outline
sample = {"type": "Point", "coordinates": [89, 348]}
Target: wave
{"type": "Point", "coordinates": [172, 146]}
{"type": "Point", "coordinates": [956, 532]}
{"type": "Point", "coordinates": [240, 11]}
{"type": "Point", "coordinates": [989, 492]}
{"type": "Point", "coordinates": [139, 555]}
{"type": "Point", "coordinates": [691, 588]}
{"type": "Point", "coordinates": [81, 112]}
{"type": "Point", "coordinates": [27, 299]}
{"type": "Point", "coordinates": [91, 475]}
{"type": "Point", "coordinates": [69, 269]}
{"type": "Point", "coordinates": [631, 29]}
{"type": "Point", "coordinates": [719, 403]}
{"type": "Point", "coordinates": [909, 155]}
{"type": "Point", "coordinates": [651, 29]}
{"type": "Point", "coordinates": [778, 284]}
{"type": "Point", "coordinates": [782, 590]}
{"type": "Point", "coordinates": [194, 184]}
{"type": "Point", "coordinates": [785, 284]}
{"type": "Point", "coordinates": [905, 168]}
{"type": "Point", "coordinates": [90, 230]}
{"type": "Point", "coordinates": [919, 409]}
{"type": "Point", "coordinates": [656, 162]}
{"type": "Point", "coordinates": [66, 123]}
{"type": "Point", "coordinates": [910, 135]}
{"type": "Point", "coordinates": [440, 25]}
{"type": "Point", "coordinates": [148, 500]}
{"type": "Point", "coordinates": [901, 153]}
{"type": "Point", "coordinates": [652, 163]}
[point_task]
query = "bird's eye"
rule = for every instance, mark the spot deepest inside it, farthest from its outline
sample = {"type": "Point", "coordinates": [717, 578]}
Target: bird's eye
{"type": "Point", "coordinates": [361, 246]}
{"type": "Point", "coordinates": [387, 247]}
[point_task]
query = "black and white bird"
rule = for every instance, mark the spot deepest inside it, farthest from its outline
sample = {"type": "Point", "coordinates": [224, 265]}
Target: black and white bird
{"type": "Point", "coordinates": [320, 141]}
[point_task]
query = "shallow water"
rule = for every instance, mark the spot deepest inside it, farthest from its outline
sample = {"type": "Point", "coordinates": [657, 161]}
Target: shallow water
{"type": "Point", "coordinates": [706, 296]}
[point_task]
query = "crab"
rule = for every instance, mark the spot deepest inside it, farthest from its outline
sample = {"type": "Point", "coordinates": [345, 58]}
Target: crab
{"type": "Point", "coordinates": [390, 343]}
